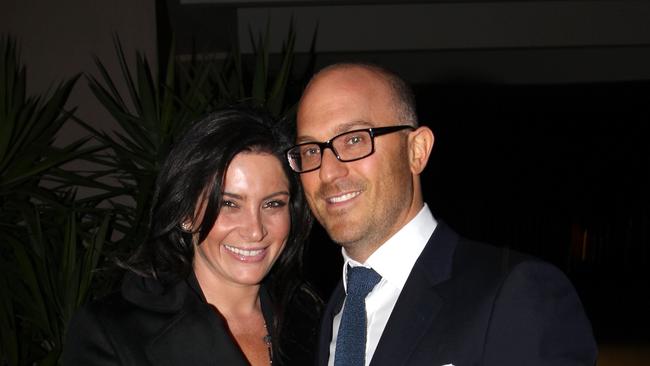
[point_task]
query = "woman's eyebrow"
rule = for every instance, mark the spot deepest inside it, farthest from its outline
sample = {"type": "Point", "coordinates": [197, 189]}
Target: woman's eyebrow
{"type": "Point", "coordinates": [241, 197]}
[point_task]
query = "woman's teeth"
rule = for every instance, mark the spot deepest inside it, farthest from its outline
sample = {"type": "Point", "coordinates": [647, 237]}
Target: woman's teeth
{"type": "Point", "coordinates": [244, 252]}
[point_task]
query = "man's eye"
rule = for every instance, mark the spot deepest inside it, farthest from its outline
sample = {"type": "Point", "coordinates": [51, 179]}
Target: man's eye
{"type": "Point", "coordinates": [310, 151]}
{"type": "Point", "coordinates": [354, 140]}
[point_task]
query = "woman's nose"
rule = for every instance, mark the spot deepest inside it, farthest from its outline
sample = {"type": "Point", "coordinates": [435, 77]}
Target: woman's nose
{"type": "Point", "coordinates": [253, 227]}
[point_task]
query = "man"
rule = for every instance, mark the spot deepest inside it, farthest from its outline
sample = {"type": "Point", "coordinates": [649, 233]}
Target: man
{"type": "Point", "coordinates": [439, 299]}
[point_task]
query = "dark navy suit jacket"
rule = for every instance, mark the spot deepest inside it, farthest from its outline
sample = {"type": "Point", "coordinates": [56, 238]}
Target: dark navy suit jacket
{"type": "Point", "coordinates": [469, 303]}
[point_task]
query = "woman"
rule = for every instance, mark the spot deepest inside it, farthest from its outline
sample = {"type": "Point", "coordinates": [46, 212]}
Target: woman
{"type": "Point", "coordinates": [216, 283]}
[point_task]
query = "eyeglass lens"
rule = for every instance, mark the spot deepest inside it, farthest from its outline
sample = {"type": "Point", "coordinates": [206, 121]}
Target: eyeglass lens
{"type": "Point", "coordinates": [349, 146]}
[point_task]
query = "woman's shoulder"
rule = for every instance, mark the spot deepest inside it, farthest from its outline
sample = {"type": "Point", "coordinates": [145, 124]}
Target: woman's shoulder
{"type": "Point", "coordinates": [111, 312]}
{"type": "Point", "coordinates": [139, 300]}
{"type": "Point", "coordinates": [108, 308]}
{"type": "Point", "coordinates": [94, 330]}
{"type": "Point", "coordinates": [118, 325]}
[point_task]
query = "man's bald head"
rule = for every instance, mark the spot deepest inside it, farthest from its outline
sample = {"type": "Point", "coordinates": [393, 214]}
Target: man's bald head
{"type": "Point", "coordinates": [402, 94]}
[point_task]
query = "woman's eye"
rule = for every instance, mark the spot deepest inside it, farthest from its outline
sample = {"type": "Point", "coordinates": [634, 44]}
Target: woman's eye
{"type": "Point", "coordinates": [226, 203]}
{"type": "Point", "coordinates": [275, 204]}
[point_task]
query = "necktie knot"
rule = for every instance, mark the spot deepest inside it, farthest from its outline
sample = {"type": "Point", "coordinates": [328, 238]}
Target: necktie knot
{"type": "Point", "coordinates": [361, 280]}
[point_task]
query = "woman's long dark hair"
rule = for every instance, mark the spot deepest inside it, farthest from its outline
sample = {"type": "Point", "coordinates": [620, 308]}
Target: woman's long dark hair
{"type": "Point", "coordinates": [193, 173]}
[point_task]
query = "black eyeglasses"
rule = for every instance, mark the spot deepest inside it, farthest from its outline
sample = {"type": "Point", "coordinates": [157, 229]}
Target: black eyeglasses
{"type": "Point", "coordinates": [348, 146]}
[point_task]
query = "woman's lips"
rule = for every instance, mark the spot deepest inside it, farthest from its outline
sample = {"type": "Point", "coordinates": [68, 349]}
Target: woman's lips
{"type": "Point", "coordinates": [246, 255]}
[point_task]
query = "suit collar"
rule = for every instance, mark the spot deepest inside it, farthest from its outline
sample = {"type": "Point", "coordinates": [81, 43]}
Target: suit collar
{"type": "Point", "coordinates": [395, 258]}
{"type": "Point", "coordinates": [420, 300]}
{"type": "Point", "coordinates": [436, 261]}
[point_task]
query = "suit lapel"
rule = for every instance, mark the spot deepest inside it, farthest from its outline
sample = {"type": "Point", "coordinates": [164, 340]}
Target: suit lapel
{"type": "Point", "coordinates": [325, 334]}
{"type": "Point", "coordinates": [419, 302]}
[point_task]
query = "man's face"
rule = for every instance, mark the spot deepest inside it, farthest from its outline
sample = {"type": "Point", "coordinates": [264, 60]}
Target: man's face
{"type": "Point", "coordinates": [364, 202]}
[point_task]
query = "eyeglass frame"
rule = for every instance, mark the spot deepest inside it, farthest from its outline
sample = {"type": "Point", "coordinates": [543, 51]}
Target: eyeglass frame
{"type": "Point", "coordinates": [372, 131]}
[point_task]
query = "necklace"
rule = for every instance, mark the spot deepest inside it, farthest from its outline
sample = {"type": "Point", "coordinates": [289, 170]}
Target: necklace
{"type": "Point", "coordinates": [269, 344]}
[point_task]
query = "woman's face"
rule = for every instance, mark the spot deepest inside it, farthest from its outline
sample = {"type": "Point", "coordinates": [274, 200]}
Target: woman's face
{"type": "Point", "coordinates": [253, 223]}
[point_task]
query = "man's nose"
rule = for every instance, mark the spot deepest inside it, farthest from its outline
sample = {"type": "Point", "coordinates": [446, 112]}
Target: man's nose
{"type": "Point", "coordinates": [330, 167]}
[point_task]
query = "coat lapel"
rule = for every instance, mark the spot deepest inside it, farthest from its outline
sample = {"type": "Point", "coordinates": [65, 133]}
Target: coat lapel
{"type": "Point", "coordinates": [201, 334]}
{"type": "Point", "coordinates": [193, 332]}
{"type": "Point", "coordinates": [420, 302]}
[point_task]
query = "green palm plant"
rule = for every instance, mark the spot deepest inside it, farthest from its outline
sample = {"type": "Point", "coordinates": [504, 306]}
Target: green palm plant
{"type": "Point", "coordinates": [154, 110]}
{"type": "Point", "coordinates": [27, 129]}
{"type": "Point", "coordinates": [55, 258]}
{"type": "Point", "coordinates": [48, 242]}
{"type": "Point", "coordinates": [259, 84]}
{"type": "Point", "coordinates": [156, 107]}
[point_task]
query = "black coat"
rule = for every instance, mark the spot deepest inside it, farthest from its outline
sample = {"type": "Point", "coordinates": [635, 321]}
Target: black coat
{"type": "Point", "coordinates": [468, 303]}
{"type": "Point", "coordinates": [146, 324]}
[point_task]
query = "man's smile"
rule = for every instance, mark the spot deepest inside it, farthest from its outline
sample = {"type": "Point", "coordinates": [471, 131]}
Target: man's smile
{"type": "Point", "coordinates": [343, 197]}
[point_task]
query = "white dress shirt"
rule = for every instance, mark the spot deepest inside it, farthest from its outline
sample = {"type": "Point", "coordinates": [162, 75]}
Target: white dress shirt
{"type": "Point", "coordinates": [393, 261]}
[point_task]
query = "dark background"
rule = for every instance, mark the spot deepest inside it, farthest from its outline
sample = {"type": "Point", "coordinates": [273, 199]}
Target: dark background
{"type": "Point", "coordinates": [557, 171]}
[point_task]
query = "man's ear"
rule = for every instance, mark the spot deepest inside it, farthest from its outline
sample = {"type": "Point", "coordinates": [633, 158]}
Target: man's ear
{"type": "Point", "coordinates": [420, 144]}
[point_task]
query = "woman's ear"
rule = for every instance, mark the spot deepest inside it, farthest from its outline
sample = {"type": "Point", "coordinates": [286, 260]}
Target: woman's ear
{"type": "Point", "coordinates": [420, 143]}
{"type": "Point", "coordinates": [186, 226]}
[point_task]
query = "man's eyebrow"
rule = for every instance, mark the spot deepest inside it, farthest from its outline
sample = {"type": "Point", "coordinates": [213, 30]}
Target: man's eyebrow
{"type": "Point", "coordinates": [344, 127]}
{"type": "Point", "coordinates": [304, 138]}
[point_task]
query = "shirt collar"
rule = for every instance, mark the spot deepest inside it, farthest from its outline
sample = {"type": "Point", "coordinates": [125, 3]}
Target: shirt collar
{"type": "Point", "coordinates": [394, 259]}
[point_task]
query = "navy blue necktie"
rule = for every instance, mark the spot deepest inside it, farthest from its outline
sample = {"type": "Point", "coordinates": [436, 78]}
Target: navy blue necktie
{"type": "Point", "coordinates": [351, 339]}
